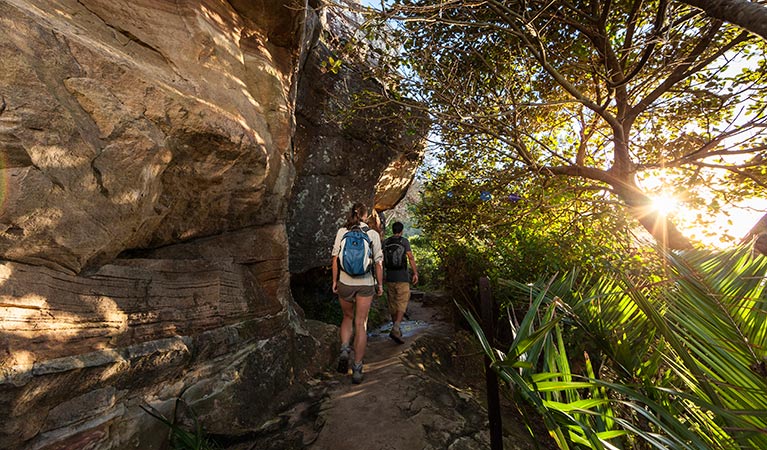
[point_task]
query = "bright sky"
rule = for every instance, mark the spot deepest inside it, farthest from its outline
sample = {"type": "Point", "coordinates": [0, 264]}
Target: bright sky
{"type": "Point", "coordinates": [373, 3]}
{"type": "Point", "coordinates": [736, 224]}
{"type": "Point", "coordinates": [727, 227]}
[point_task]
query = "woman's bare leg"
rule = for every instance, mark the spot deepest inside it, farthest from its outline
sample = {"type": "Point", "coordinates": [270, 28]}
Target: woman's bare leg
{"type": "Point", "coordinates": [346, 323]}
{"type": "Point", "coordinates": [360, 327]}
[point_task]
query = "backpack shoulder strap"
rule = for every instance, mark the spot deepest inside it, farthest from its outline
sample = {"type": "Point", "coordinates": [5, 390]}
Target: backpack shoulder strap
{"type": "Point", "coordinates": [363, 229]}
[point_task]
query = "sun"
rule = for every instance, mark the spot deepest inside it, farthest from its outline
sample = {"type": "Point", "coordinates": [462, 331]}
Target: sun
{"type": "Point", "coordinates": [665, 203]}
{"type": "Point", "coordinates": [718, 227]}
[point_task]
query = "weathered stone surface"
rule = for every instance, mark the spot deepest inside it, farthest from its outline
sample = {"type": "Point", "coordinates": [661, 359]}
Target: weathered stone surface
{"type": "Point", "coordinates": [134, 124]}
{"type": "Point", "coordinates": [143, 299]}
{"type": "Point", "coordinates": [128, 127]}
{"type": "Point", "coordinates": [149, 154]}
{"type": "Point", "coordinates": [214, 325]}
{"type": "Point", "coordinates": [345, 154]}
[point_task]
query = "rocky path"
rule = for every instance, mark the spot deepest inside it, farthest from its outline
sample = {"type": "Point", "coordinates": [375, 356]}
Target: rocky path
{"type": "Point", "coordinates": [414, 396]}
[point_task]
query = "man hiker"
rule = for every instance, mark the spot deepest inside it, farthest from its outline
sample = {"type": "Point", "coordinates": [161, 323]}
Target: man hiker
{"type": "Point", "coordinates": [397, 279]}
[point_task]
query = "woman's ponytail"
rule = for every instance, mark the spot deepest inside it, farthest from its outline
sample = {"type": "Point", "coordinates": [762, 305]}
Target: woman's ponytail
{"type": "Point", "coordinates": [358, 211]}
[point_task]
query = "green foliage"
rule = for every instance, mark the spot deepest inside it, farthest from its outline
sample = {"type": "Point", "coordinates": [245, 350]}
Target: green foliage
{"type": "Point", "coordinates": [180, 438]}
{"type": "Point", "coordinates": [675, 363]}
{"type": "Point", "coordinates": [555, 226]}
{"type": "Point", "coordinates": [429, 273]}
{"type": "Point", "coordinates": [611, 93]}
{"type": "Point", "coordinates": [332, 65]}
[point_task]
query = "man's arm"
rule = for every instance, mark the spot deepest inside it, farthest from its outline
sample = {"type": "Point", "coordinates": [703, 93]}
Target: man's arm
{"type": "Point", "coordinates": [412, 264]}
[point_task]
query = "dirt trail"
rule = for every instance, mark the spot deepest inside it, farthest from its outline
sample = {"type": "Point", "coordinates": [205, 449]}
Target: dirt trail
{"type": "Point", "coordinates": [410, 397]}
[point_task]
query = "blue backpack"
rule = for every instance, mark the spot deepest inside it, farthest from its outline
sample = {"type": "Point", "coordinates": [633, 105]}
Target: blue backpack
{"type": "Point", "coordinates": [356, 255]}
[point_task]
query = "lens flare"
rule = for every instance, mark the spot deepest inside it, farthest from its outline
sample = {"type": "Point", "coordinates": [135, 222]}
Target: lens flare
{"type": "Point", "coordinates": [665, 204]}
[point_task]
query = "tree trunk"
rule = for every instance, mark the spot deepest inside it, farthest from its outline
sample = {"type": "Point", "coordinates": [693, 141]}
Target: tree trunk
{"type": "Point", "coordinates": [662, 229]}
{"type": "Point", "coordinates": [748, 15]}
{"type": "Point", "coordinates": [659, 226]}
{"type": "Point", "coordinates": [758, 231]}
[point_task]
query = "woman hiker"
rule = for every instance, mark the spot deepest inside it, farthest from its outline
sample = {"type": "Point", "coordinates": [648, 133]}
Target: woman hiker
{"type": "Point", "coordinates": [355, 257]}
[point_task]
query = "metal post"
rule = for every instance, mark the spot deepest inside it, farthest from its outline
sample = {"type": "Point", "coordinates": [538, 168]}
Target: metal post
{"type": "Point", "coordinates": [487, 309]}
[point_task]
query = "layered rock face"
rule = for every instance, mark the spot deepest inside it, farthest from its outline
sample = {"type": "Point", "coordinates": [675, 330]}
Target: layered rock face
{"type": "Point", "coordinates": [148, 161]}
{"type": "Point", "coordinates": [134, 124]}
{"type": "Point", "coordinates": [352, 145]}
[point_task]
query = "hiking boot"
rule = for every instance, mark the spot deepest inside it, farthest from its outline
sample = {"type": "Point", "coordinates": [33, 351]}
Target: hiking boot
{"type": "Point", "coordinates": [396, 335]}
{"type": "Point", "coordinates": [357, 373]}
{"type": "Point", "coordinates": [343, 359]}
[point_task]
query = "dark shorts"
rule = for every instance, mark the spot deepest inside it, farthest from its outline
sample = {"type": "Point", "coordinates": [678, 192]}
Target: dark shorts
{"type": "Point", "coordinates": [350, 293]}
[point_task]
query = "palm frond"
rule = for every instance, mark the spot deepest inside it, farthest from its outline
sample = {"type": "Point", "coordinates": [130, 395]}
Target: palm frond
{"type": "Point", "coordinates": [684, 356]}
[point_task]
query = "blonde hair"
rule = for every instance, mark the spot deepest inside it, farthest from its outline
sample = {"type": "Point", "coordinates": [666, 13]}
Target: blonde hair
{"type": "Point", "coordinates": [374, 222]}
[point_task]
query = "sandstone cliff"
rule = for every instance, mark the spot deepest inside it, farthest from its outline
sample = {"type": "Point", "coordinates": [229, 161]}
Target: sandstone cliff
{"type": "Point", "coordinates": [352, 143]}
{"type": "Point", "coordinates": [149, 153]}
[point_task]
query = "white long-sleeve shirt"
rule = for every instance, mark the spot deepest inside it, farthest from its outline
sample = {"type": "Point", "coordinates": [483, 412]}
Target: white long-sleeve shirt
{"type": "Point", "coordinates": [369, 278]}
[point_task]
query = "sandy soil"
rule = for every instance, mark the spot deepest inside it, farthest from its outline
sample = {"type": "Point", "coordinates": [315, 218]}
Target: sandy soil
{"type": "Point", "coordinates": [415, 395]}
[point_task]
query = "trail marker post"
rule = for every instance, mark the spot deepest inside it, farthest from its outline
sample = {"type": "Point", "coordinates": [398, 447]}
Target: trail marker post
{"type": "Point", "coordinates": [487, 310]}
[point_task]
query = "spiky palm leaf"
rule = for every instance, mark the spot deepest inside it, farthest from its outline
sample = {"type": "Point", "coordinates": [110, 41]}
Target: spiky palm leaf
{"type": "Point", "coordinates": [181, 438]}
{"type": "Point", "coordinates": [685, 356]}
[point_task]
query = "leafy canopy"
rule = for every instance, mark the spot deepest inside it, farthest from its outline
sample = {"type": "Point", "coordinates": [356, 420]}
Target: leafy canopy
{"type": "Point", "coordinates": [499, 225]}
{"type": "Point", "coordinates": [612, 93]}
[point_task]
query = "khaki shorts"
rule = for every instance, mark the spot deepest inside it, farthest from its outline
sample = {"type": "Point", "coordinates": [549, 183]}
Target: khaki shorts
{"type": "Point", "coordinates": [398, 294]}
{"type": "Point", "coordinates": [350, 293]}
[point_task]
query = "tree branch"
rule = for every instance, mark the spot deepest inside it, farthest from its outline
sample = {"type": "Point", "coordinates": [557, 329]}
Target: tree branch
{"type": "Point", "coordinates": [628, 41]}
{"type": "Point", "coordinates": [742, 37]}
{"type": "Point", "coordinates": [540, 55]}
{"type": "Point", "coordinates": [659, 18]}
{"type": "Point", "coordinates": [678, 74]}
{"type": "Point", "coordinates": [584, 172]}
{"type": "Point", "coordinates": [751, 16]}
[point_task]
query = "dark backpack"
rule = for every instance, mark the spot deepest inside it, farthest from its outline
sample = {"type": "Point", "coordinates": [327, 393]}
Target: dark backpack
{"type": "Point", "coordinates": [394, 254]}
{"type": "Point", "coordinates": [356, 255]}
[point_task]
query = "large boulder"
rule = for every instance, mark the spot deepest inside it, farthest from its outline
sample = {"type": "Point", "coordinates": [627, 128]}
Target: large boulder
{"type": "Point", "coordinates": [150, 150]}
{"type": "Point", "coordinates": [140, 124]}
{"type": "Point", "coordinates": [146, 172]}
{"type": "Point", "coordinates": [351, 144]}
